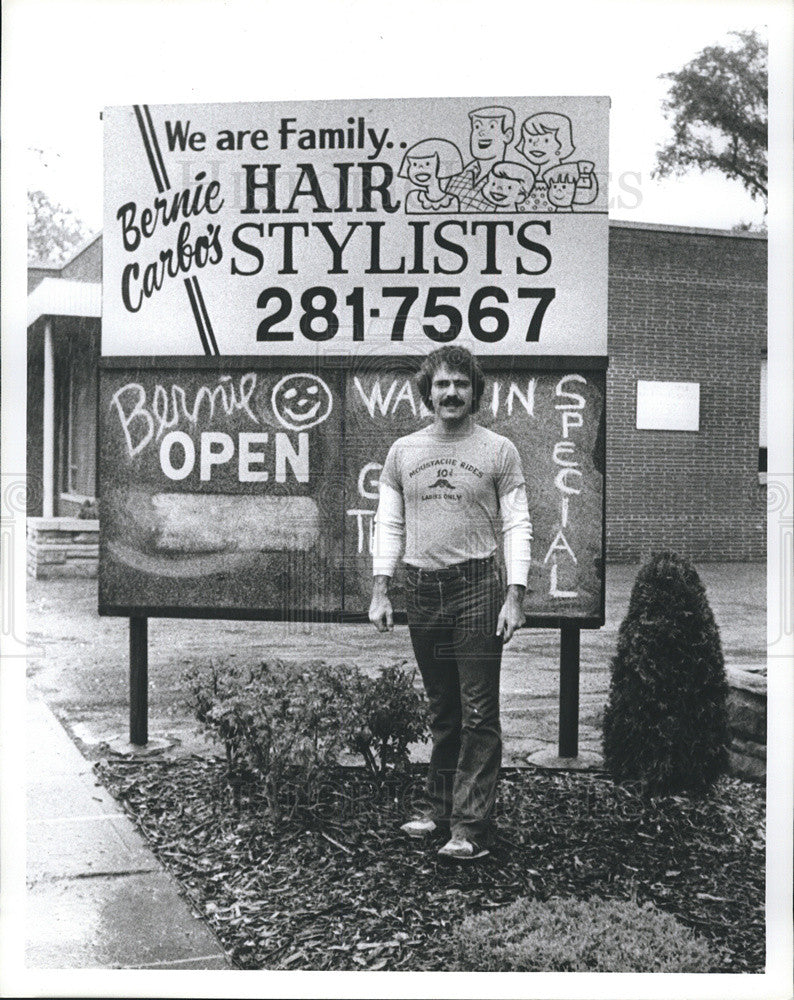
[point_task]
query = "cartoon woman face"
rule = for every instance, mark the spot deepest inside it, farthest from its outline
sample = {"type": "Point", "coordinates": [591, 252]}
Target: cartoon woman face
{"type": "Point", "coordinates": [422, 170]}
{"type": "Point", "coordinates": [301, 401]}
{"type": "Point", "coordinates": [542, 149]}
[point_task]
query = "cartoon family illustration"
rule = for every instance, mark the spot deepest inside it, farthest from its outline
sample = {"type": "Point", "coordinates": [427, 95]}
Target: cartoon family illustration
{"type": "Point", "coordinates": [544, 179]}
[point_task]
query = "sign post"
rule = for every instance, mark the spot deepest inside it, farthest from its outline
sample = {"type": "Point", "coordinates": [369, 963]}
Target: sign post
{"type": "Point", "coordinates": [139, 681]}
{"type": "Point", "coordinates": [569, 691]}
{"type": "Point", "coordinates": [273, 274]}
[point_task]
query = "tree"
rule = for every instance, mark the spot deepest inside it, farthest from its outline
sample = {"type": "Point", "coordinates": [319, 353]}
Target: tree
{"type": "Point", "coordinates": [53, 231]}
{"type": "Point", "coordinates": [718, 107]}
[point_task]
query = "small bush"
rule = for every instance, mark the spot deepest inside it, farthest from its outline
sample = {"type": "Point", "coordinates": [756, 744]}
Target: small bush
{"type": "Point", "coordinates": [88, 510]}
{"type": "Point", "coordinates": [286, 725]}
{"type": "Point", "coordinates": [666, 722]}
{"type": "Point", "coordinates": [277, 722]}
{"type": "Point", "coordinates": [387, 714]}
{"type": "Point", "coordinates": [566, 935]}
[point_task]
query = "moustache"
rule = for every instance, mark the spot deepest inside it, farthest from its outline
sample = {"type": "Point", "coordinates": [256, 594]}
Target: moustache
{"type": "Point", "coordinates": [452, 402]}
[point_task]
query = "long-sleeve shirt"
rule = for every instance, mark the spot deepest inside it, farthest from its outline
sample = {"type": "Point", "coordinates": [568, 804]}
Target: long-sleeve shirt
{"type": "Point", "coordinates": [441, 500]}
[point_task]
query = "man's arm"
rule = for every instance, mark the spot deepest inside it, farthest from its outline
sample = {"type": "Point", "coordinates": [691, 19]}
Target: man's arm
{"type": "Point", "coordinates": [517, 537]}
{"type": "Point", "coordinates": [387, 546]}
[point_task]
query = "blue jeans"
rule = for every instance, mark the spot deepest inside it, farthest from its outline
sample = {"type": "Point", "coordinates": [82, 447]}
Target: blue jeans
{"type": "Point", "coordinates": [452, 618]}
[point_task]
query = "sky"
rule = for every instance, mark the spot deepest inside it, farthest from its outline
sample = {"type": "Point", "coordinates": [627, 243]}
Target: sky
{"type": "Point", "coordinates": [140, 51]}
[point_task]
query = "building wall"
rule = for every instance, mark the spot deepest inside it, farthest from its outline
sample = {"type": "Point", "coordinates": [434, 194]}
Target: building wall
{"type": "Point", "coordinates": [86, 264]}
{"type": "Point", "coordinates": [690, 307]}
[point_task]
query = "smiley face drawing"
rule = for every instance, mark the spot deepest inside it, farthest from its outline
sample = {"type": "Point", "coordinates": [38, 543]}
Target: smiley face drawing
{"type": "Point", "coordinates": [301, 400]}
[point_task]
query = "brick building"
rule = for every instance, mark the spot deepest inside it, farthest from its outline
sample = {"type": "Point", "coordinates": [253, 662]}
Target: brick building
{"type": "Point", "coordinates": [687, 306]}
{"type": "Point", "coordinates": [687, 350]}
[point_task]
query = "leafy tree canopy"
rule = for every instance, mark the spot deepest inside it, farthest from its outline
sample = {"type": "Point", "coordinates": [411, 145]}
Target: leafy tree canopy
{"type": "Point", "coordinates": [717, 105]}
{"type": "Point", "coordinates": [53, 231]}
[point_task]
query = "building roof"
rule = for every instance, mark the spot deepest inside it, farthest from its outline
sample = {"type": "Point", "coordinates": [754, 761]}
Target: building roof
{"type": "Point", "coordinates": [43, 265]}
{"type": "Point", "coordinates": [662, 227]}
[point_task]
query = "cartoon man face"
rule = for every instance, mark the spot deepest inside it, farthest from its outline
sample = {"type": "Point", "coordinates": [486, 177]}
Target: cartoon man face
{"type": "Point", "coordinates": [542, 149]}
{"type": "Point", "coordinates": [503, 191]}
{"type": "Point", "coordinates": [301, 401]}
{"type": "Point", "coordinates": [422, 169]}
{"type": "Point", "coordinates": [489, 137]}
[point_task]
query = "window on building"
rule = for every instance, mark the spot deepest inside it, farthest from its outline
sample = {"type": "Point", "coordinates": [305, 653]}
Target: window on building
{"type": "Point", "coordinates": [762, 425]}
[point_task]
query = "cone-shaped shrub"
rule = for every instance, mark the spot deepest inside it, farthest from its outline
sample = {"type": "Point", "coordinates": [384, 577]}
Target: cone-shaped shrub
{"type": "Point", "coordinates": [666, 721]}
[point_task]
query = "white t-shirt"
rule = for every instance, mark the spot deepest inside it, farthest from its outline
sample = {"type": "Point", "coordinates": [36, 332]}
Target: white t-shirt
{"type": "Point", "coordinates": [453, 493]}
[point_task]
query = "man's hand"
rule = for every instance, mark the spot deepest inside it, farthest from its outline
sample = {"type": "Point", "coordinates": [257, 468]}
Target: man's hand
{"type": "Point", "coordinates": [380, 609]}
{"type": "Point", "coordinates": [511, 617]}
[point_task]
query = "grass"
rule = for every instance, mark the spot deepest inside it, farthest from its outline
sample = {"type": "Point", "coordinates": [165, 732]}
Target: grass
{"type": "Point", "coordinates": [338, 887]}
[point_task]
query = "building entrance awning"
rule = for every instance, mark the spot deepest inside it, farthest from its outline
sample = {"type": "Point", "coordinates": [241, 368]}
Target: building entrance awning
{"type": "Point", "coordinates": [60, 297]}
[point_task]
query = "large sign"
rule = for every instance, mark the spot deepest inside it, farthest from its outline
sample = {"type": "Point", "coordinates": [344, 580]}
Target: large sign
{"type": "Point", "coordinates": [348, 227]}
{"type": "Point", "coordinates": [236, 490]}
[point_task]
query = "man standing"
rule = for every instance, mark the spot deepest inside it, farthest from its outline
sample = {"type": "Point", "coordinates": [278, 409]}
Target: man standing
{"type": "Point", "coordinates": [491, 134]}
{"type": "Point", "coordinates": [442, 491]}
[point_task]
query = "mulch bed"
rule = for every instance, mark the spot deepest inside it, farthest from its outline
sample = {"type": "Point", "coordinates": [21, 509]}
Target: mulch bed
{"type": "Point", "coordinates": [336, 886]}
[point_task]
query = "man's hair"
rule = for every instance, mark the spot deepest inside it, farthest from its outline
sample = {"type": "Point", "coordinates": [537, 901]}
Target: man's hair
{"type": "Point", "coordinates": [457, 359]}
{"type": "Point", "coordinates": [515, 172]}
{"type": "Point", "coordinates": [506, 114]}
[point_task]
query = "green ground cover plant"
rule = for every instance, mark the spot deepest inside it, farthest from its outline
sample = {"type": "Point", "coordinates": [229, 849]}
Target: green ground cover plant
{"type": "Point", "coordinates": [284, 726]}
{"type": "Point", "coordinates": [572, 935]}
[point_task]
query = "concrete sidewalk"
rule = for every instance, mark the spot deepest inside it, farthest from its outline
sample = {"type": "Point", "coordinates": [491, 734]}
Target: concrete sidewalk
{"type": "Point", "coordinates": [97, 896]}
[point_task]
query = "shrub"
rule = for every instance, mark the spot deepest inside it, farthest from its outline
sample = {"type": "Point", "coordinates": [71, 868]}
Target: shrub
{"type": "Point", "coordinates": [386, 715]}
{"type": "Point", "coordinates": [88, 510]}
{"type": "Point", "coordinates": [285, 725]}
{"type": "Point", "coordinates": [276, 720]}
{"type": "Point", "coordinates": [565, 935]}
{"type": "Point", "coordinates": [666, 722]}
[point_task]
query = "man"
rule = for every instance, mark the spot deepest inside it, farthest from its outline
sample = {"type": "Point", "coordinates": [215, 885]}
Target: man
{"type": "Point", "coordinates": [491, 134]}
{"type": "Point", "coordinates": [442, 490]}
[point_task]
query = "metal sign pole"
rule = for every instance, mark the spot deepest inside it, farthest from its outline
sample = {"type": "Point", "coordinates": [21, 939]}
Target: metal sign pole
{"type": "Point", "coordinates": [569, 691]}
{"type": "Point", "coordinates": [139, 681]}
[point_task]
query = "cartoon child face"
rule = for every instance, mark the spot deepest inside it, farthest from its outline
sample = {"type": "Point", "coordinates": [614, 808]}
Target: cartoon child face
{"type": "Point", "coordinates": [422, 169]}
{"type": "Point", "coordinates": [542, 150]}
{"type": "Point", "coordinates": [502, 191]}
{"type": "Point", "coordinates": [300, 401]}
{"type": "Point", "coordinates": [561, 192]}
{"type": "Point", "coordinates": [489, 138]}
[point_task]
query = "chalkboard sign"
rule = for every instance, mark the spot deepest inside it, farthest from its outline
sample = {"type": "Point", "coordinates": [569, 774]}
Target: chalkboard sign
{"type": "Point", "coordinates": [239, 487]}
